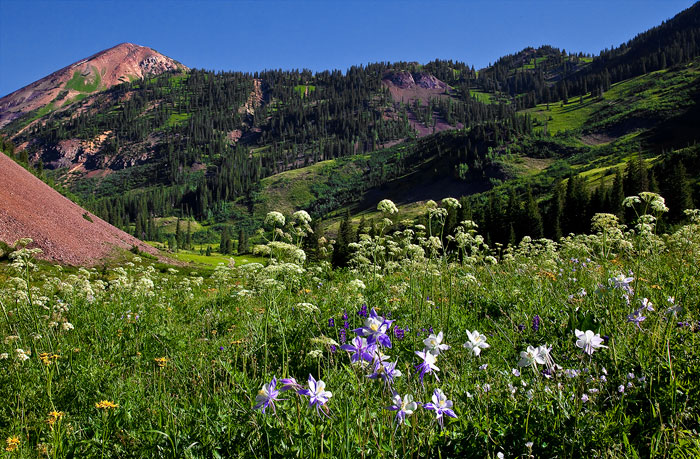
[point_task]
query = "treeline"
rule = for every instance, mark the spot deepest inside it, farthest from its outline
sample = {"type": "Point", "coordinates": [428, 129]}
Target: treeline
{"type": "Point", "coordinates": [547, 74]}
{"type": "Point", "coordinates": [507, 216]}
{"type": "Point", "coordinates": [180, 128]}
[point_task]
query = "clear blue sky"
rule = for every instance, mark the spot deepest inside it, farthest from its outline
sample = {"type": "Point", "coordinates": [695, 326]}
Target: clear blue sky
{"type": "Point", "coordinates": [39, 37]}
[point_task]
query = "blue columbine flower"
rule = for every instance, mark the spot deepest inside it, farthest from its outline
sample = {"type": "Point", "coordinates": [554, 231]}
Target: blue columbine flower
{"type": "Point", "coordinates": [360, 349]}
{"type": "Point", "coordinates": [427, 366]}
{"type": "Point", "coordinates": [386, 372]}
{"type": "Point", "coordinates": [636, 317]}
{"type": "Point", "coordinates": [375, 329]}
{"type": "Point", "coordinates": [267, 396]}
{"type": "Point", "coordinates": [441, 406]}
{"type": "Point", "coordinates": [317, 393]}
{"type": "Point", "coordinates": [404, 407]}
{"type": "Point", "coordinates": [289, 384]}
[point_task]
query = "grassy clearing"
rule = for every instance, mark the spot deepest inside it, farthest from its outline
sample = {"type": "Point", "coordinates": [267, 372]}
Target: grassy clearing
{"type": "Point", "coordinates": [177, 119]}
{"type": "Point", "coordinates": [657, 94]}
{"type": "Point", "coordinates": [84, 84]}
{"type": "Point", "coordinates": [304, 89]}
{"type": "Point", "coordinates": [484, 97]}
{"type": "Point", "coordinates": [215, 258]}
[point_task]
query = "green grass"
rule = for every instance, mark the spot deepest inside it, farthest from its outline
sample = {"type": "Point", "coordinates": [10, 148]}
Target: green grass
{"type": "Point", "coordinates": [84, 84]}
{"type": "Point", "coordinates": [178, 119]}
{"type": "Point", "coordinates": [484, 97]}
{"type": "Point", "coordinates": [182, 353]}
{"type": "Point", "coordinates": [303, 89]}
{"type": "Point", "coordinates": [215, 258]}
{"type": "Point", "coordinates": [168, 225]}
{"type": "Point", "coordinates": [658, 94]}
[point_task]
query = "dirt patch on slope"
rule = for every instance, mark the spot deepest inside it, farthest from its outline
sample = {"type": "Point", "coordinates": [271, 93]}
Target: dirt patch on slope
{"type": "Point", "coordinates": [61, 228]}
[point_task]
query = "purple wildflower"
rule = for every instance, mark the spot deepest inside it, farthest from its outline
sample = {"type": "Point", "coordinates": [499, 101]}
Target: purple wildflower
{"type": "Point", "coordinates": [343, 336]}
{"type": "Point", "coordinates": [399, 333]}
{"type": "Point", "coordinates": [441, 406]}
{"type": "Point", "coordinates": [427, 366]}
{"type": "Point", "coordinates": [360, 349]}
{"type": "Point", "coordinates": [363, 311]}
{"type": "Point", "coordinates": [536, 323]}
{"type": "Point", "coordinates": [345, 314]}
{"type": "Point", "coordinates": [622, 282]}
{"type": "Point", "coordinates": [267, 396]}
{"type": "Point", "coordinates": [317, 393]}
{"type": "Point", "coordinates": [375, 329]}
{"type": "Point", "coordinates": [404, 407]}
{"type": "Point", "coordinates": [331, 322]}
{"type": "Point", "coordinates": [289, 384]}
{"type": "Point", "coordinates": [637, 318]}
{"type": "Point", "coordinates": [386, 372]}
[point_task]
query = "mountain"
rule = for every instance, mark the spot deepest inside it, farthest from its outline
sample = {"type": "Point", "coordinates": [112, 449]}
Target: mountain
{"type": "Point", "coordinates": [124, 62]}
{"type": "Point", "coordinates": [64, 231]}
{"type": "Point", "coordinates": [226, 147]}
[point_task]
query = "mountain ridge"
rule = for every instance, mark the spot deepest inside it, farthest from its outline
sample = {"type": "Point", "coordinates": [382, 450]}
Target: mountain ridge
{"type": "Point", "coordinates": [102, 70]}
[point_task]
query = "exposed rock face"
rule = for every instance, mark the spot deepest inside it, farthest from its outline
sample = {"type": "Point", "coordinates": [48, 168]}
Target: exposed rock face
{"type": "Point", "coordinates": [408, 80]}
{"type": "Point", "coordinates": [64, 231]}
{"type": "Point", "coordinates": [101, 71]}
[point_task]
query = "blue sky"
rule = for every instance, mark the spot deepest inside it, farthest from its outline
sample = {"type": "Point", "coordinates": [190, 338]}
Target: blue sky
{"type": "Point", "coordinates": [40, 37]}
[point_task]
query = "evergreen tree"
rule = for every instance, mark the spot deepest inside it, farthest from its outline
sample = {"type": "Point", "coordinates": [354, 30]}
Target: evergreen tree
{"type": "Point", "coordinates": [189, 234]}
{"type": "Point", "coordinates": [341, 251]}
{"type": "Point", "coordinates": [533, 218]}
{"type": "Point", "coordinates": [242, 242]}
{"type": "Point", "coordinates": [617, 195]}
{"type": "Point", "coordinates": [225, 237]}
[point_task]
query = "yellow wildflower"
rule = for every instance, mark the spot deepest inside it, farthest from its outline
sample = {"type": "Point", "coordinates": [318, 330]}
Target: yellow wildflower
{"type": "Point", "coordinates": [54, 416]}
{"type": "Point", "coordinates": [161, 361]}
{"type": "Point", "coordinates": [106, 405]}
{"type": "Point", "coordinates": [47, 358]}
{"type": "Point", "coordinates": [12, 443]}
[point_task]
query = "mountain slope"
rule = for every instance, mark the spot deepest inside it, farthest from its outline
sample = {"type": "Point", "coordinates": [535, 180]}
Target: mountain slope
{"type": "Point", "coordinates": [124, 62]}
{"type": "Point", "coordinates": [63, 230]}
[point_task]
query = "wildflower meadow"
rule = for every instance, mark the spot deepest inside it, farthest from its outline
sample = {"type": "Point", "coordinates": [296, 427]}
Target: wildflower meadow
{"type": "Point", "coordinates": [430, 345]}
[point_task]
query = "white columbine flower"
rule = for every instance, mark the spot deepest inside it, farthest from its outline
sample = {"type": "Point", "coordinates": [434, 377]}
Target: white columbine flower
{"type": "Point", "coordinates": [588, 341]}
{"type": "Point", "coordinates": [531, 357]}
{"type": "Point", "coordinates": [433, 343]}
{"type": "Point", "coordinates": [476, 343]}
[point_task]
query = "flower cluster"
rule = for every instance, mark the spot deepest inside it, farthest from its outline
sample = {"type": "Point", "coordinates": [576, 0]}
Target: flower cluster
{"type": "Point", "coordinates": [106, 405]}
{"type": "Point", "coordinates": [268, 395]}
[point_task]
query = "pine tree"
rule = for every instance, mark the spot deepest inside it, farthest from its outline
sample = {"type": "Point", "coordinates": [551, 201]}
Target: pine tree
{"type": "Point", "coordinates": [617, 195]}
{"type": "Point", "coordinates": [225, 237]}
{"type": "Point", "coordinates": [188, 240]}
{"type": "Point", "coordinates": [242, 242]}
{"type": "Point", "coordinates": [533, 218]}
{"type": "Point", "coordinates": [178, 235]}
{"type": "Point", "coordinates": [341, 251]}
{"type": "Point", "coordinates": [680, 196]}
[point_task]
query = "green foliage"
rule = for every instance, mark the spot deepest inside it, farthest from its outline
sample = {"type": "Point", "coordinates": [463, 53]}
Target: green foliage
{"type": "Point", "coordinates": [88, 84]}
{"type": "Point", "coordinates": [168, 348]}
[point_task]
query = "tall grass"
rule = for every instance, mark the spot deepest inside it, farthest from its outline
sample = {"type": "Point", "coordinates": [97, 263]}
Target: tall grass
{"type": "Point", "coordinates": [147, 363]}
